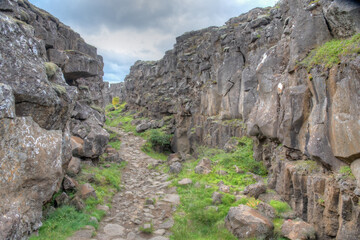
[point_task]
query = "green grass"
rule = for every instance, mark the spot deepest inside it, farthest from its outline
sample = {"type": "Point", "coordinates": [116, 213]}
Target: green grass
{"type": "Point", "coordinates": [66, 220]}
{"type": "Point", "coordinates": [148, 149]}
{"type": "Point", "coordinates": [62, 223]}
{"type": "Point", "coordinates": [331, 52]}
{"type": "Point", "coordinates": [346, 172]}
{"type": "Point", "coordinates": [194, 218]}
{"type": "Point", "coordinates": [280, 207]}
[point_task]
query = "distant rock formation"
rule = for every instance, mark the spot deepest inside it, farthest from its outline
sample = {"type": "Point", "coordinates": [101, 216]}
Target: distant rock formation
{"type": "Point", "coordinates": [51, 92]}
{"type": "Point", "coordinates": [245, 78]}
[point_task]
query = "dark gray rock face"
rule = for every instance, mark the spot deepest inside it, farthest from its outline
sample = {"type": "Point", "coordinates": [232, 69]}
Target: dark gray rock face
{"type": "Point", "coordinates": [50, 90]}
{"type": "Point", "coordinates": [218, 80]}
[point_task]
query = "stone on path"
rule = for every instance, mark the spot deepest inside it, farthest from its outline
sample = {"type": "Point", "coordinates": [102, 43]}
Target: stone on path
{"type": "Point", "coordinates": [160, 232]}
{"type": "Point", "coordinates": [167, 224]}
{"type": "Point", "coordinates": [175, 168]}
{"type": "Point", "coordinates": [114, 230]}
{"type": "Point", "coordinates": [172, 198]}
{"type": "Point", "coordinates": [85, 233]}
{"type": "Point", "coordinates": [159, 238]}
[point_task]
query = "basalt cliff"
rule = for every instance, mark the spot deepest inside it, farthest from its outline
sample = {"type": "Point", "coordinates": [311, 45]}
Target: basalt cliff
{"type": "Point", "coordinates": [51, 101]}
{"type": "Point", "coordinates": [255, 76]}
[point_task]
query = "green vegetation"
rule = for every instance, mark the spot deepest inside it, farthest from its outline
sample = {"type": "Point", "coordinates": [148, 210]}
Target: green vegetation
{"type": "Point", "coordinates": [97, 108]}
{"type": "Point", "coordinates": [62, 223]}
{"type": "Point", "coordinates": [58, 88]}
{"type": "Point", "coordinates": [345, 171]}
{"type": "Point", "coordinates": [159, 140]}
{"type": "Point", "coordinates": [66, 220]}
{"type": "Point", "coordinates": [50, 69]}
{"type": "Point", "coordinates": [331, 52]}
{"type": "Point", "coordinates": [280, 207]}
{"type": "Point", "coordinates": [196, 217]}
{"type": "Point", "coordinates": [307, 166]}
{"type": "Point", "coordinates": [115, 101]}
{"type": "Point", "coordinates": [278, 222]}
{"type": "Point", "coordinates": [147, 230]}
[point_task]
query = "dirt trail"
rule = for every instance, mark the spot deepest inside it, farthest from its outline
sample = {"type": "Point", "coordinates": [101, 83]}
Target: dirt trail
{"type": "Point", "coordinates": [145, 197]}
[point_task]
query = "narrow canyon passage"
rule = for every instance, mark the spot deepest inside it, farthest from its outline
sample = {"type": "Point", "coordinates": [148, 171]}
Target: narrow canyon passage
{"type": "Point", "coordinates": [145, 202]}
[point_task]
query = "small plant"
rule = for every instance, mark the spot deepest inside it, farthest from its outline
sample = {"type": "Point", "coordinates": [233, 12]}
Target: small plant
{"type": "Point", "coordinates": [321, 201]}
{"type": "Point", "coordinates": [115, 144]}
{"type": "Point", "coordinates": [279, 206]}
{"type": "Point", "coordinates": [253, 203]}
{"type": "Point", "coordinates": [50, 69]}
{"type": "Point", "coordinates": [345, 171]}
{"type": "Point", "coordinates": [115, 102]}
{"type": "Point", "coordinates": [159, 140]}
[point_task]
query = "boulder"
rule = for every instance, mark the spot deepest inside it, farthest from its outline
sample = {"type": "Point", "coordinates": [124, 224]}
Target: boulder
{"type": "Point", "coordinates": [203, 167]}
{"type": "Point", "coordinates": [175, 168]}
{"type": "Point", "coordinates": [62, 199]}
{"type": "Point", "coordinates": [78, 203]}
{"type": "Point", "coordinates": [69, 183]}
{"type": "Point", "coordinates": [86, 191]}
{"type": "Point", "coordinates": [298, 230]}
{"type": "Point", "coordinates": [143, 127]}
{"type": "Point", "coordinates": [74, 166]}
{"type": "Point", "coordinates": [217, 198]}
{"type": "Point", "coordinates": [266, 210]}
{"type": "Point", "coordinates": [355, 169]}
{"type": "Point", "coordinates": [254, 190]}
{"type": "Point", "coordinates": [245, 222]}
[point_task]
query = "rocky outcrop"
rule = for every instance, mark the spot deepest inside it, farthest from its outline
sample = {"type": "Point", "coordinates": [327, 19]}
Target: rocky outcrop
{"type": "Point", "coordinates": [219, 80]}
{"type": "Point", "coordinates": [246, 77]}
{"type": "Point", "coordinates": [50, 91]}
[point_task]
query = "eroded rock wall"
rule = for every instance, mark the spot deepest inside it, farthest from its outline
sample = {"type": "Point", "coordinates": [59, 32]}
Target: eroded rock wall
{"type": "Point", "coordinates": [50, 93]}
{"type": "Point", "coordinates": [246, 74]}
{"type": "Point", "coordinates": [244, 78]}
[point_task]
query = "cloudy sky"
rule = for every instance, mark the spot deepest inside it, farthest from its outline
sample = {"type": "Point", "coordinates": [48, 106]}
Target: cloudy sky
{"type": "Point", "coordinates": [128, 30]}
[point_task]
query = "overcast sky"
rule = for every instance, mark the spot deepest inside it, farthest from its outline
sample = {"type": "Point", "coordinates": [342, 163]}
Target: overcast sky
{"type": "Point", "coordinates": [128, 30]}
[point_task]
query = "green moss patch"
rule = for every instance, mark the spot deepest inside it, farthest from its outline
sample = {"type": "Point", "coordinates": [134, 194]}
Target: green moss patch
{"type": "Point", "coordinates": [330, 53]}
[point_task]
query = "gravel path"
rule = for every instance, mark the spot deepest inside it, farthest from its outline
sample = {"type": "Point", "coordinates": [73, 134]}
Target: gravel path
{"type": "Point", "coordinates": [145, 199]}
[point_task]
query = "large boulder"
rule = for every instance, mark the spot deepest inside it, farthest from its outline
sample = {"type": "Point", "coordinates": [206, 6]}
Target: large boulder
{"type": "Point", "coordinates": [30, 170]}
{"type": "Point", "coordinates": [254, 190]}
{"type": "Point", "coordinates": [245, 222]}
{"type": "Point", "coordinates": [298, 230]}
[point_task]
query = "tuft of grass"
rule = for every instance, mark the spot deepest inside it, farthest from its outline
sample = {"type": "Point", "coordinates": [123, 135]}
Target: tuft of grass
{"type": "Point", "coordinates": [279, 206]}
{"type": "Point", "coordinates": [331, 52]}
{"type": "Point", "coordinates": [278, 222]}
{"type": "Point", "coordinates": [159, 140]}
{"type": "Point", "coordinates": [345, 171]}
{"type": "Point", "coordinates": [50, 69]}
{"type": "Point", "coordinates": [307, 166]}
{"type": "Point", "coordinates": [97, 108]}
{"type": "Point", "coordinates": [62, 223]}
{"type": "Point", "coordinates": [149, 150]}
{"type": "Point", "coordinates": [147, 230]}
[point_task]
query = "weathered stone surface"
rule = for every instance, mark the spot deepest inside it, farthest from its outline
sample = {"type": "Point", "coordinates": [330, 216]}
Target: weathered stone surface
{"type": "Point", "coordinates": [298, 230]}
{"type": "Point", "coordinates": [62, 199]}
{"type": "Point", "coordinates": [30, 173]}
{"type": "Point", "coordinates": [176, 167]}
{"type": "Point", "coordinates": [172, 198]}
{"type": "Point", "coordinates": [69, 183]}
{"type": "Point", "coordinates": [245, 222]}
{"type": "Point", "coordinates": [143, 127]}
{"type": "Point", "coordinates": [7, 102]}
{"type": "Point", "coordinates": [185, 181]}
{"type": "Point", "coordinates": [254, 190]}
{"type": "Point", "coordinates": [203, 167]}
{"type": "Point", "coordinates": [266, 210]}
{"type": "Point", "coordinates": [74, 166]}
{"type": "Point", "coordinates": [86, 190]}
{"type": "Point", "coordinates": [114, 230]}
{"type": "Point", "coordinates": [355, 169]}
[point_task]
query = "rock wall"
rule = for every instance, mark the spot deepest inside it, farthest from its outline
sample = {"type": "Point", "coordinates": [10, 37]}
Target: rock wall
{"type": "Point", "coordinates": [247, 73]}
{"type": "Point", "coordinates": [51, 94]}
{"type": "Point", "coordinates": [245, 78]}
{"type": "Point", "coordinates": [117, 90]}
